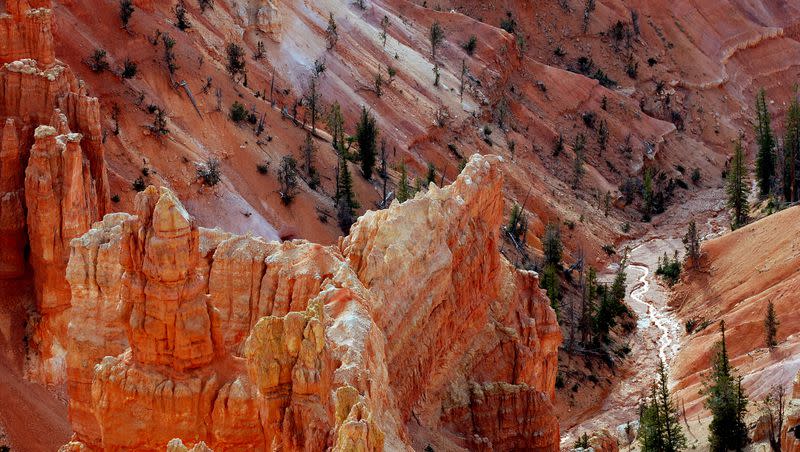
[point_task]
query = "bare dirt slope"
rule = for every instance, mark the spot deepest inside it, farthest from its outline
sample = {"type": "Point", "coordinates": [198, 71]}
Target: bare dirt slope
{"type": "Point", "coordinates": [740, 272]}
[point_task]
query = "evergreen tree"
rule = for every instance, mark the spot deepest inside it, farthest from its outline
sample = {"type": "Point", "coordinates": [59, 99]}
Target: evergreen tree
{"type": "Point", "coordinates": [691, 241]}
{"type": "Point", "coordinates": [588, 306]}
{"type": "Point", "coordinates": [791, 152]}
{"type": "Point", "coordinates": [436, 37]}
{"type": "Point", "coordinates": [771, 326]}
{"type": "Point", "coordinates": [551, 283]}
{"type": "Point", "coordinates": [236, 63]}
{"type": "Point", "coordinates": [674, 439]}
{"type": "Point", "coordinates": [126, 10]}
{"type": "Point", "coordinates": [404, 190]}
{"type": "Point", "coordinates": [726, 401]}
{"type": "Point", "coordinates": [610, 306]}
{"type": "Point", "coordinates": [517, 224]}
{"type": "Point", "coordinates": [287, 177]}
{"type": "Point", "coordinates": [647, 193]}
{"type": "Point", "coordinates": [336, 126]}
{"type": "Point", "coordinates": [311, 99]}
{"type": "Point", "coordinates": [659, 425]}
{"type": "Point", "coordinates": [765, 158]}
{"type": "Point", "coordinates": [551, 245]}
{"type": "Point", "coordinates": [431, 176]}
{"type": "Point", "coordinates": [553, 249]}
{"type": "Point", "coordinates": [331, 33]}
{"type": "Point", "coordinates": [737, 187]}
{"type": "Point", "coordinates": [577, 167]}
{"type": "Point", "coordinates": [308, 162]}
{"type": "Point", "coordinates": [367, 136]}
{"type": "Point", "coordinates": [346, 203]}
{"type": "Point", "coordinates": [651, 434]}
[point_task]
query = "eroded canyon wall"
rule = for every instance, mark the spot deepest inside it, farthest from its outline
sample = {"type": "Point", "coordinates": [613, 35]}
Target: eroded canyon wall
{"type": "Point", "coordinates": [413, 331]}
{"type": "Point", "coordinates": [52, 167]}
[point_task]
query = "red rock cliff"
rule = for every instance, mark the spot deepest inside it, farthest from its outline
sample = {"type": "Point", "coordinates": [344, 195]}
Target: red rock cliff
{"type": "Point", "coordinates": [54, 182]}
{"type": "Point", "coordinates": [417, 332]}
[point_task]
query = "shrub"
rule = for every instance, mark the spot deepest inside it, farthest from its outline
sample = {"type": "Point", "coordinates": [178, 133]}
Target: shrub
{"type": "Point", "coordinates": [205, 4]}
{"type": "Point", "coordinates": [97, 61]}
{"type": "Point", "coordinates": [169, 53]}
{"type": "Point", "coordinates": [696, 175]}
{"type": "Point", "coordinates": [509, 24]}
{"type": "Point", "coordinates": [209, 172]}
{"type": "Point", "coordinates": [159, 125]}
{"type": "Point", "coordinates": [263, 167]}
{"type": "Point", "coordinates": [470, 45]}
{"type": "Point", "coordinates": [115, 199]}
{"type": "Point", "coordinates": [238, 112]}
{"type": "Point", "coordinates": [139, 184]}
{"type": "Point", "coordinates": [129, 69]}
{"type": "Point", "coordinates": [182, 22]}
{"type": "Point", "coordinates": [588, 119]}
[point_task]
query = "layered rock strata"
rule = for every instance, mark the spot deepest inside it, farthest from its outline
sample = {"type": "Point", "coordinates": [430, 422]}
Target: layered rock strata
{"type": "Point", "coordinates": [413, 331]}
{"type": "Point", "coordinates": [53, 182]}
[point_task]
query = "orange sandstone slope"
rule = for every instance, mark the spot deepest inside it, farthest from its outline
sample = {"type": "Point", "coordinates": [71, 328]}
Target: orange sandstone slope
{"type": "Point", "coordinates": [677, 115]}
{"type": "Point", "coordinates": [537, 98]}
{"type": "Point", "coordinates": [412, 331]}
{"type": "Point", "coordinates": [739, 273]}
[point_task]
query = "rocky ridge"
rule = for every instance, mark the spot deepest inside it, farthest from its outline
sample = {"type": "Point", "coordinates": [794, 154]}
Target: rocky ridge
{"type": "Point", "coordinates": [247, 344]}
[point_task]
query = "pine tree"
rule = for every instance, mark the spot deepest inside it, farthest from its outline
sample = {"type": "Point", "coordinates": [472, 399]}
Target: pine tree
{"type": "Point", "coordinates": [551, 245]}
{"type": "Point", "coordinates": [659, 425]}
{"type": "Point", "coordinates": [404, 190]}
{"type": "Point", "coordinates": [431, 176]}
{"type": "Point", "coordinates": [691, 241]}
{"type": "Point", "coordinates": [791, 152]}
{"type": "Point", "coordinates": [367, 136]}
{"type": "Point", "coordinates": [336, 128]}
{"type": "Point", "coordinates": [771, 326]}
{"type": "Point", "coordinates": [726, 401]}
{"type": "Point", "coordinates": [517, 224]}
{"type": "Point", "coordinates": [287, 177]}
{"type": "Point", "coordinates": [651, 435]}
{"type": "Point", "coordinates": [647, 193]}
{"type": "Point", "coordinates": [311, 99]}
{"type": "Point", "coordinates": [331, 33]}
{"type": "Point", "coordinates": [346, 203]}
{"type": "Point", "coordinates": [674, 439]}
{"type": "Point", "coordinates": [765, 158]}
{"type": "Point", "coordinates": [737, 187]}
{"type": "Point", "coordinates": [308, 162]}
{"type": "Point", "coordinates": [578, 169]}
{"type": "Point", "coordinates": [588, 306]}
{"type": "Point", "coordinates": [436, 37]}
{"type": "Point", "coordinates": [236, 62]}
{"type": "Point", "coordinates": [551, 283]}
{"type": "Point", "coordinates": [126, 10]}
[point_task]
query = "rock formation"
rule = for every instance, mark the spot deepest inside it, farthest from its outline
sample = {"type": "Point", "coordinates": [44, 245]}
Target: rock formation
{"type": "Point", "coordinates": [246, 344]}
{"type": "Point", "coordinates": [54, 182]}
{"type": "Point", "coordinates": [268, 19]}
{"type": "Point", "coordinates": [240, 360]}
{"type": "Point", "coordinates": [790, 436]}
